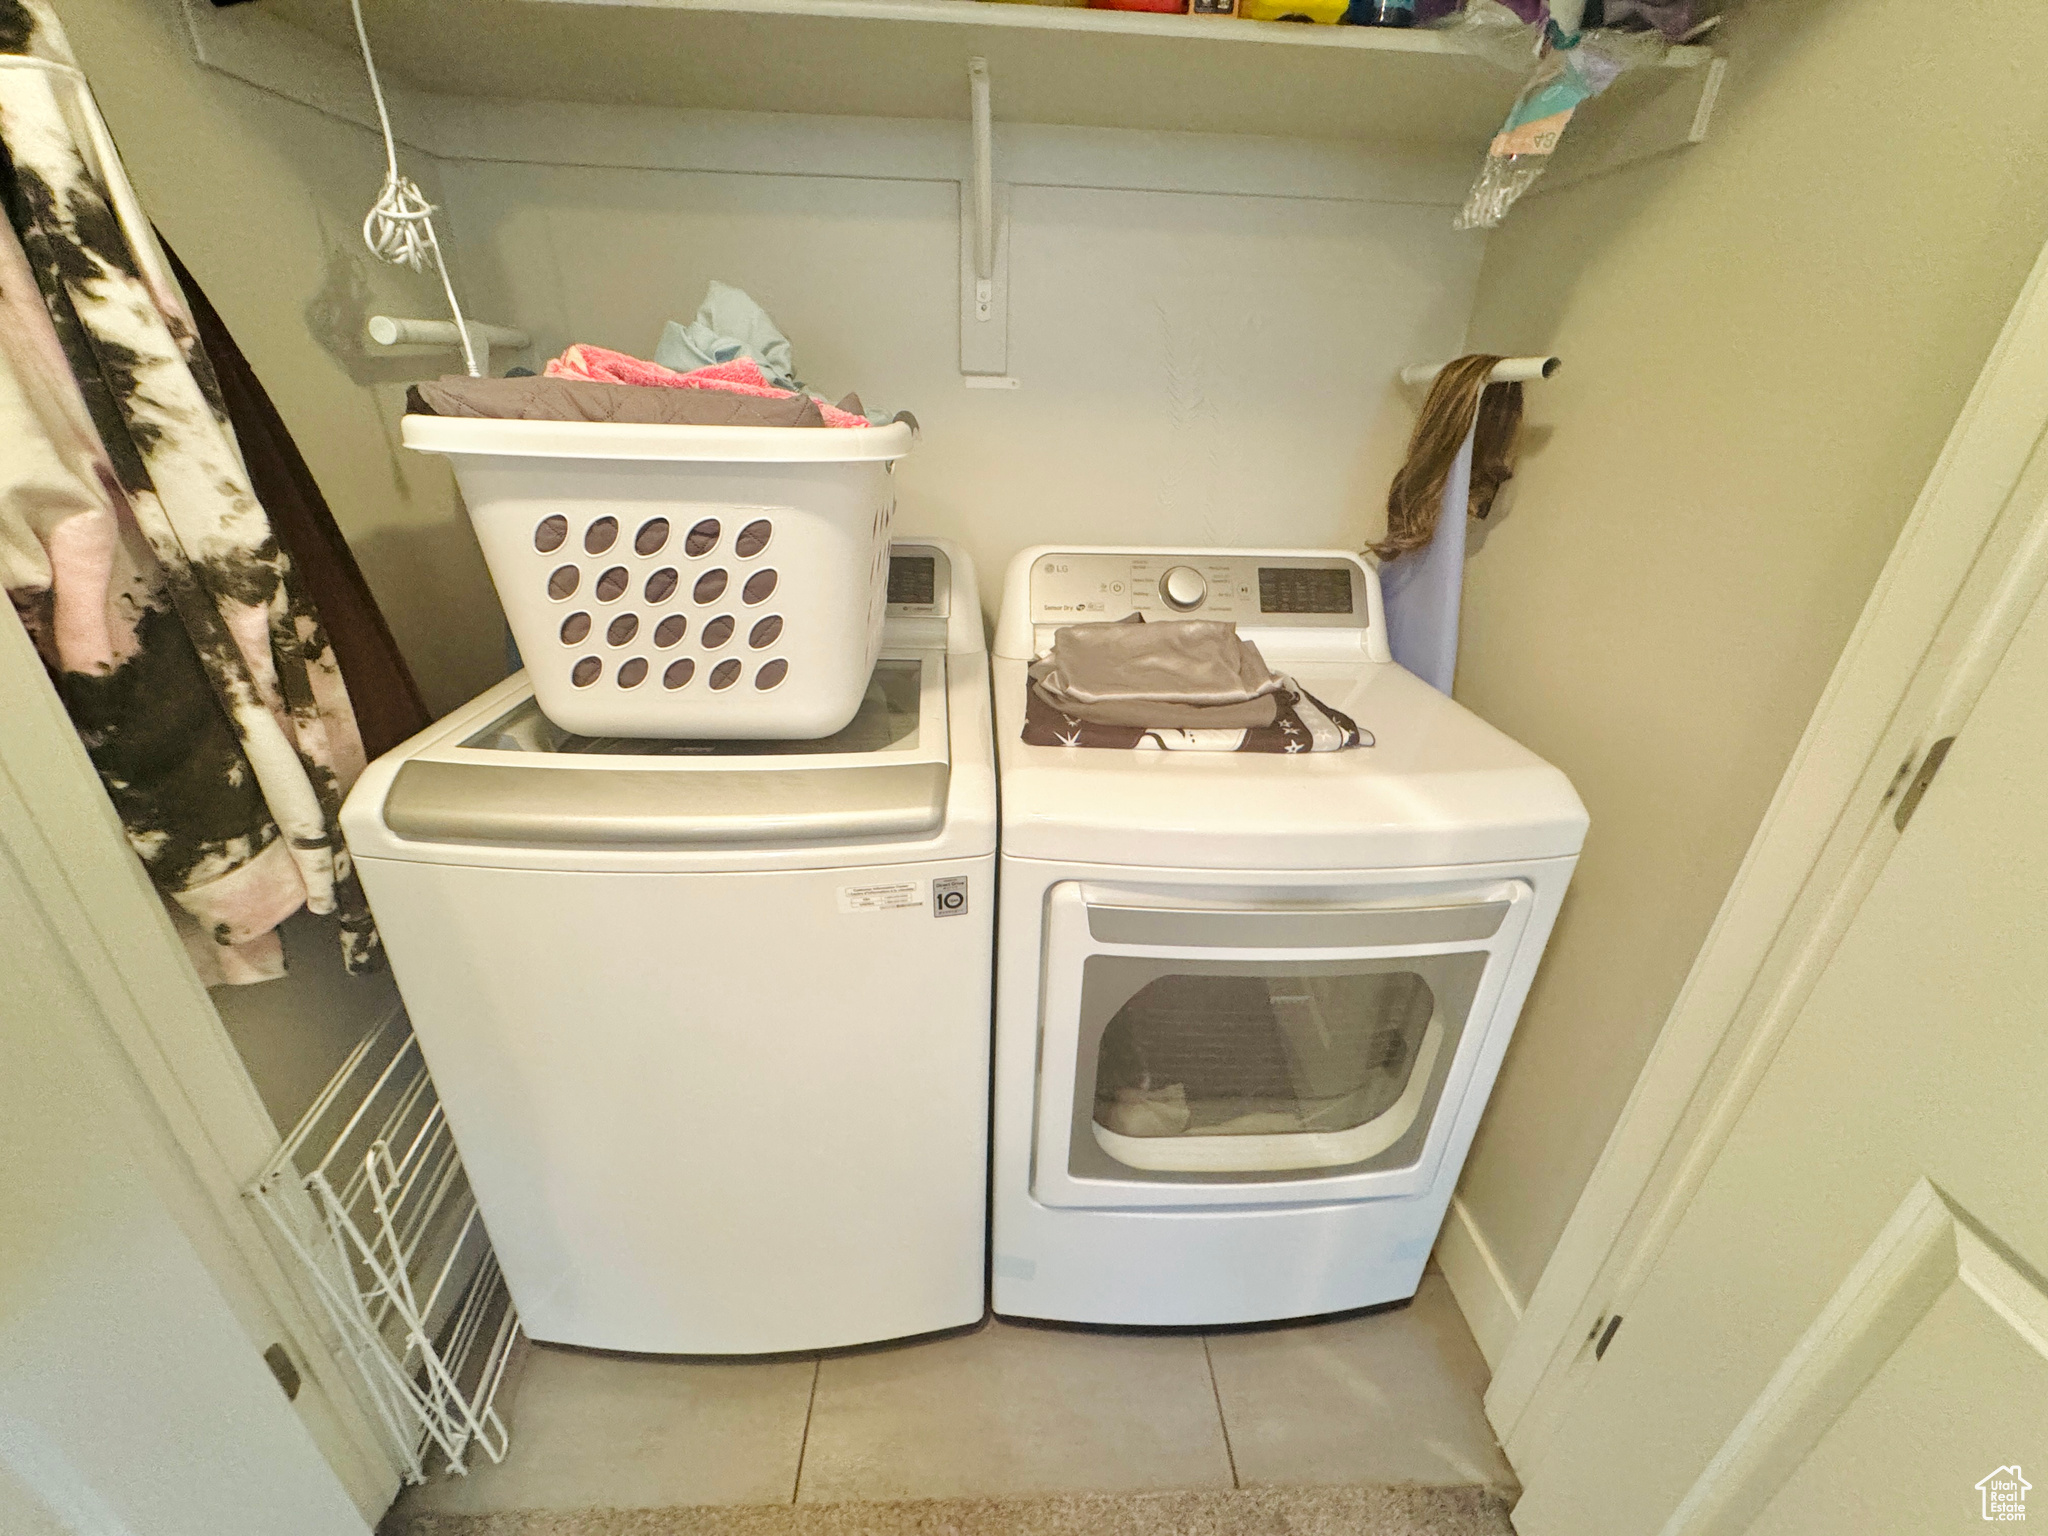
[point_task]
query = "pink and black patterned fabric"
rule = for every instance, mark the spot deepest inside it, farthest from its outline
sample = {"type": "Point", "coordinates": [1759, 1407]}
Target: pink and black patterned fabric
{"type": "Point", "coordinates": [137, 554]}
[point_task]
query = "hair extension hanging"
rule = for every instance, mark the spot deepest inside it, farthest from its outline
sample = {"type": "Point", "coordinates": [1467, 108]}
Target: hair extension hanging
{"type": "Point", "coordinates": [1460, 401]}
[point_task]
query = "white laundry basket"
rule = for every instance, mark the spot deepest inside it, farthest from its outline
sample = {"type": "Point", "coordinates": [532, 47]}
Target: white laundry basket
{"type": "Point", "coordinates": [678, 581]}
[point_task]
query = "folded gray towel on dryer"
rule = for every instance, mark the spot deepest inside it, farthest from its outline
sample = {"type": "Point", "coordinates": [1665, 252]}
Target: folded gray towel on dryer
{"type": "Point", "coordinates": [1157, 714]}
{"type": "Point", "coordinates": [1195, 662]}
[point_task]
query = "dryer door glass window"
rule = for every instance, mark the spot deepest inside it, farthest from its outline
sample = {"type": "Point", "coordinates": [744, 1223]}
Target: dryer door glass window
{"type": "Point", "coordinates": [1264, 1067]}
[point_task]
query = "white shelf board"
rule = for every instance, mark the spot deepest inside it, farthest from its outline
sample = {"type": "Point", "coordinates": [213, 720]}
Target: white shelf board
{"type": "Point", "coordinates": [908, 59]}
{"type": "Point", "coordinates": [1064, 18]}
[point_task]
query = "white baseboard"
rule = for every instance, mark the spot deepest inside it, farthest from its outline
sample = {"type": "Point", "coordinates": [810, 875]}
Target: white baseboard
{"type": "Point", "coordinates": [1492, 1309]}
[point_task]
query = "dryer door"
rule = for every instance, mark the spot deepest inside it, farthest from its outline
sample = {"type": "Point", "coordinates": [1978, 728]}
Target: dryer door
{"type": "Point", "coordinates": [1207, 1054]}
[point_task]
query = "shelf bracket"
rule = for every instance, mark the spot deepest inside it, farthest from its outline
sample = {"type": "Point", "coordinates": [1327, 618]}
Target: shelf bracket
{"type": "Point", "coordinates": [1646, 112]}
{"type": "Point", "coordinates": [984, 244]}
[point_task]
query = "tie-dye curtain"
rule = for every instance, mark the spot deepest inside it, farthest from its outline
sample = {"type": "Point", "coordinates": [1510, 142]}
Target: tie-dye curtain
{"type": "Point", "coordinates": [139, 559]}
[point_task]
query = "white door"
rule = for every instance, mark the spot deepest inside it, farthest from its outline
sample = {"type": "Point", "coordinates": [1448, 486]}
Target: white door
{"type": "Point", "coordinates": [1847, 1330]}
{"type": "Point", "coordinates": [132, 1401]}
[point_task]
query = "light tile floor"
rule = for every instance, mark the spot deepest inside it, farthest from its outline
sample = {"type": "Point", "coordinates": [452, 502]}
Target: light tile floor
{"type": "Point", "coordinates": [1392, 1396]}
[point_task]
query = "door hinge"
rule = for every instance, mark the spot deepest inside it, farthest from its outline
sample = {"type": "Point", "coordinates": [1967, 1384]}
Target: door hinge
{"type": "Point", "coordinates": [1607, 1336]}
{"type": "Point", "coordinates": [281, 1367]}
{"type": "Point", "coordinates": [1930, 765]}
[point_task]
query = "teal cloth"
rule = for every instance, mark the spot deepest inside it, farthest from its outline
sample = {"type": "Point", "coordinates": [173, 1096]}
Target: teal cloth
{"type": "Point", "coordinates": [729, 325]}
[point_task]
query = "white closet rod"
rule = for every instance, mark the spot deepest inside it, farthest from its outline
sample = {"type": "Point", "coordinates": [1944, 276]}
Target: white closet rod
{"type": "Point", "coordinates": [391, 331]}
{"type": "Point", "coordinates": [1509, 370]}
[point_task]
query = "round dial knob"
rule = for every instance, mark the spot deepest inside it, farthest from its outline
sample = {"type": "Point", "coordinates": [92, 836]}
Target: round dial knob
{"type": "Point", "coordinates": [1183, 588]}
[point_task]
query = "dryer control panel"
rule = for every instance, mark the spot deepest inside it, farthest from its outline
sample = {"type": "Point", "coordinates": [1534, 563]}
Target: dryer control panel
{"type": "Point", "coordinates": [1248, 588]}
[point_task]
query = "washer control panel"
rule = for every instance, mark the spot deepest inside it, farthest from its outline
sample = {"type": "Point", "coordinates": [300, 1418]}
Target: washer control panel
{"type": "Point", "coordinates": [1315, 591]}
{"type": "Point", "coordinates": [920, 581]}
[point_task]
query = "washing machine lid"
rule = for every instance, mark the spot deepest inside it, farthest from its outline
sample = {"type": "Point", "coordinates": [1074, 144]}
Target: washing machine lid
{"type": "Point", "coordinates": [1439, 787]}
{"type": "Point", "coordinates": [507, 776]}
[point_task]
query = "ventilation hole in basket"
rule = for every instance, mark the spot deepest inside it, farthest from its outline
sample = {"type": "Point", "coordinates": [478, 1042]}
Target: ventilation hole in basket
{"type": "Point", "coordinates": [601, 535]}
{"type": "Point", "coordinates": [611, 584]}
{"type": "Point", "coordinates": [716, 633]}
{"type": "Point", "coordinates": [548, 537]}
{"type": "Point", "coordinates": [633, 673]}
{"type": "Point", "coordinates": [670, 630]}
{"type": "Point", "coordinates": [771, 674]}
{"type": "Point", "coordinates": [710, 586]}
{"type": "Point", "coordinates": [760, 586]}
{"type": "Point", "coordinates": [703, 538]}
{"type": "Point", "coordinates": [661, 586]}
{"type": "Point", "coordinates": [678, 673]}
{"type": "Point", "coordinates": [767, 632]}
{"type": "Point", "coordinates": [563, 583]}
{"type": "Point", "coordinates": [623, 629]}
{"type": "Point", "coordinates": [574, 628]}
{"type": "Point", "coordinates": [652, 535]}
{"type": "Point", "coordinates": [586, 671]}
{"type": "Point", "coordinates": [753, 539]}
{"type": "Point", "coordinates": [725, 674]}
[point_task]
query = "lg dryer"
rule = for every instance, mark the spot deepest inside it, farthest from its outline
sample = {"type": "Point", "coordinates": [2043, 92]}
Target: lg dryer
{"type": "Point", "coordinates": [1250, 1004]}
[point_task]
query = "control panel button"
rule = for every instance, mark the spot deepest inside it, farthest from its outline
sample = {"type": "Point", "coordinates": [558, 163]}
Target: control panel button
{"type": "Point", "coordinates": [1183, 588]}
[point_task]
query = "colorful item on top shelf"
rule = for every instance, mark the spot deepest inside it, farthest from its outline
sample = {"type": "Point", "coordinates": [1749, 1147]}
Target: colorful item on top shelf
{"type": "Point", "coordinates": [1322, 12]}
{"type": "Point", "coordinates": [1380, 13]}
{"type": "Point", "coordinates": [1164, 7]}
{"type": "Point", "coordinates": [1673, 18]}
{"type": "Point", "coordinates": [600, 365]}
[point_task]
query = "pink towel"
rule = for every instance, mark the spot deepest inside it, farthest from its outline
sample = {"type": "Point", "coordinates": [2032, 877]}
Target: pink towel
{"type": "Point", "coordinates": [741, 376]}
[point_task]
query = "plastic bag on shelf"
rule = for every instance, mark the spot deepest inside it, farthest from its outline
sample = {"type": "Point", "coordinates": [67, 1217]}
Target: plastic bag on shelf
{"type": "Point", "coordinates": [1507, 35]}
{"type": "Point", "coordinates": [1570, 72]}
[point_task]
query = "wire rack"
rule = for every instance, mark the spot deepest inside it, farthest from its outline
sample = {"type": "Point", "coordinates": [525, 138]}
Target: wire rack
{"type": "Point", "coordinates": [369, 1195]}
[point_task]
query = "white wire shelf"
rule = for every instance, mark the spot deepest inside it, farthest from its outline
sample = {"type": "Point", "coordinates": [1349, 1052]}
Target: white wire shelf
{"type": "Point", "coordinates": [369, 1196]}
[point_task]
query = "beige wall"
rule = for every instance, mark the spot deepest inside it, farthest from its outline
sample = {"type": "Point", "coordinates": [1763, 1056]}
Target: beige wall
{"type": "Point", "coordinates": [1194, 366]}
{"type": "Point", "coordinates": [264, 199]}
{"type": "Point", "coordinates": [1766, 341]}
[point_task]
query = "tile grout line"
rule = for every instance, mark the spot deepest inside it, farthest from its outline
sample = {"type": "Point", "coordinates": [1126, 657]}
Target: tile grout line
{"type": "Point", "coordinates": [1216, 1391]}
{"type": "Point", "coordinates": [817, 1368]}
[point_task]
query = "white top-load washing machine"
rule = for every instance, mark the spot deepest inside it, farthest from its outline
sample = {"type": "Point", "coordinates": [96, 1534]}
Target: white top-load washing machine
{"type": "Point", "coordinates": [710, 1019]}
{"type": "Point", "coordinates": [1249, 1005]}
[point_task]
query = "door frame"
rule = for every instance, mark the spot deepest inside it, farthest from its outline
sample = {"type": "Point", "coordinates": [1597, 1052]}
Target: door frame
{"type": "Point", "coordinates": [1826, 831]}
{"type": "Point", "coordinates": [186, 1101]}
